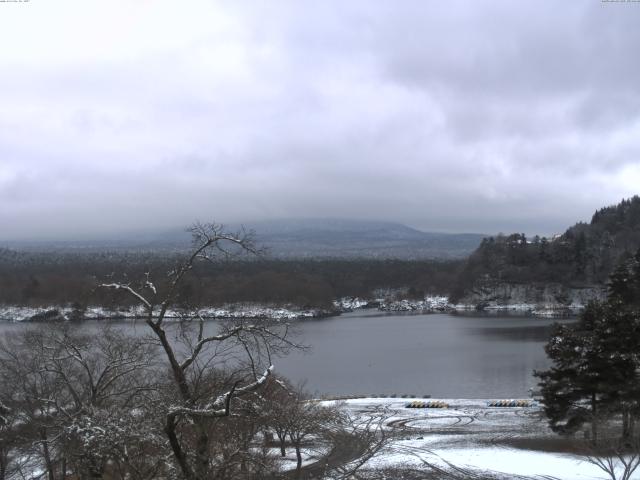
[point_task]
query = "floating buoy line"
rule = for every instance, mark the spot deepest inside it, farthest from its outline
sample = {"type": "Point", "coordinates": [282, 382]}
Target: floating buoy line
{"type": "Point", "coordinates": [510, 403]}
{"type": "Point", "coordinates": [430, 404]}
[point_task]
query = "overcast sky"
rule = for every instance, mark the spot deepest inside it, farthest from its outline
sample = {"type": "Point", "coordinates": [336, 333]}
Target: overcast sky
{"type": "Point", "coordinates": [449, 116]}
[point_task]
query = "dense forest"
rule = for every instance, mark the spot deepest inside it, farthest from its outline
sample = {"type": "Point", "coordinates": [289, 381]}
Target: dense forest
{"type": "Point", "coordinates": [583, 255]}
{"type": "Point", "coordinates": [40, 279]}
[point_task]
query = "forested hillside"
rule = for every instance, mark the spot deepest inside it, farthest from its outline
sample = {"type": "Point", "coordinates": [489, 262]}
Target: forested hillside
{"type": "Point", "coordinates": [41, 279]}
{"type": "Point", "coordinates": [582, 256]}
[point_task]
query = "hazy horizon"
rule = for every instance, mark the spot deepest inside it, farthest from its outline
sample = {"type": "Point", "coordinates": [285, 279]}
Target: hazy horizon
{"type": "Point", "coordinates": [132, 234]}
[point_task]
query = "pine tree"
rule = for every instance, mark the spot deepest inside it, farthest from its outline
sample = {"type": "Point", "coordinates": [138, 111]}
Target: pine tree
{"type": "Point", "coordinates": [572, 389]}
{"type": "Point", "coordinates": [624, 284]}
{"type": "Point", "coordinates": [596, 362]}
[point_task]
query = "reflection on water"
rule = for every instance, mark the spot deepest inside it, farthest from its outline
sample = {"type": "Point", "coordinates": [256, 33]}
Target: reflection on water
{"type": "Point", "coordinates": [443, 355]}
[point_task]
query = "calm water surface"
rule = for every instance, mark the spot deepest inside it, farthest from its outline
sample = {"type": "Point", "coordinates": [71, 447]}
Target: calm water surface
{"type": "Point", "coordinates": [442, 355]}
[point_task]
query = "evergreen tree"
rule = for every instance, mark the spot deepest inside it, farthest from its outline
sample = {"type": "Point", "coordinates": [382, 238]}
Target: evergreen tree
{"type": "Point", "coordinates": [596, 362]}
{"type": "Point", "coordinates": [572, 389]}
{"type": "Point", "coordinates": [624, 284]}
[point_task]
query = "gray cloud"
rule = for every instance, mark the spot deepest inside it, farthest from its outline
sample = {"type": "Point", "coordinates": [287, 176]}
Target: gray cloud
{"type": "Point", "coordinates": [460, 116]}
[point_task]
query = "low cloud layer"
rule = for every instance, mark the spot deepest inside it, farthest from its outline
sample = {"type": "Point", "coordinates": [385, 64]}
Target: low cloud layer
{"type": "Point", "coordinates": [452, 116]}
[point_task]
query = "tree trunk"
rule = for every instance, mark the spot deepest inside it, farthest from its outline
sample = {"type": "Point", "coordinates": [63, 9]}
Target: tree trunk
{"type": "Point", "coordinates": [298, 458]}
{"type": "Point", "coordinates": [202, 457]}
{"type": "Point", "coordinates": [95, 473]}
{"type": "Point", "coordinates": [594, 419]}
{"type": "Point", "coordinates": [178, 453]}
{"type": "Point", "coordinates": [4, 460]}
{"type": "Point", "coordinates": [246, 446]}
{"type": "Point", "coordinates": [626, 416]}
{"type": "Point", "coordinates": [46, 453]}
{"type": "Point", "coordinates": [96, 469]}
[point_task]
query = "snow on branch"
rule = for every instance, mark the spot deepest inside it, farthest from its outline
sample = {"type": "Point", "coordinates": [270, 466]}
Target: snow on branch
{"type": "Point", "coordinates": [220, 407]}
{"type": "Point", "coordinates": [236, 331]}
{"type": "Point", "coordinates": [4, 410]}
{"type": "Point", "coordinates": [149, 284]}
{"type": "Point", "coordinates": [213, 338]}
{"type": "Point", "coordinates": [127, 288]}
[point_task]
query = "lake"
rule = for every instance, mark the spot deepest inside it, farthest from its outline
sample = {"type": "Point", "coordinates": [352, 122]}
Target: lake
{"type": "Point", "coordinates": [442, 355]}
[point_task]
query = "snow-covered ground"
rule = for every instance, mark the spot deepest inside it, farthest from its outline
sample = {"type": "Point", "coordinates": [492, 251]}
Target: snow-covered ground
{"type": "Point", "coordinates": [309, 456]}
{"type": "Point", "coordinates": [471, 435]}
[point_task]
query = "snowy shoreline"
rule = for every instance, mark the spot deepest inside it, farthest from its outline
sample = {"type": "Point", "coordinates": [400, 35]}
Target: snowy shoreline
{"type": "Point", "coordinates": [432, 304]}
{"type": "Point", "coordinates": [435, 304]}
{"type": "Point", "coordinates": [66, 313]}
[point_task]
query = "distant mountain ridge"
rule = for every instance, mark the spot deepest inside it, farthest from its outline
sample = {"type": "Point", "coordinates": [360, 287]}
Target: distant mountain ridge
{"type": "Point", "coordinates": [305, 238]}
{"type": "Point", "coordinates": [346, 239]}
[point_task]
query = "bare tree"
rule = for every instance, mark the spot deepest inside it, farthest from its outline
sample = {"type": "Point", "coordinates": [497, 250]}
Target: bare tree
{"type": "Point", "coordinates": [364, 436]}
{"type": "Point", "coordinates": [69, 391]}
{"type": "Point", "coordinates": [194, 352]}
{"type": "Point", "coordinates": [618, 458]}
{"type": "Point", "coordinates": [32, 399]}
{"type": "Point", "coordinates": [238, 441]}
{"type": "Point", "coordinates": [185, 401]}
{"type": "Point", "coordinates": [8, 441]}
{"type": "Point", "coordinates": [281, 400]}
{"type": "Point", "coordinates": [307, 418]}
